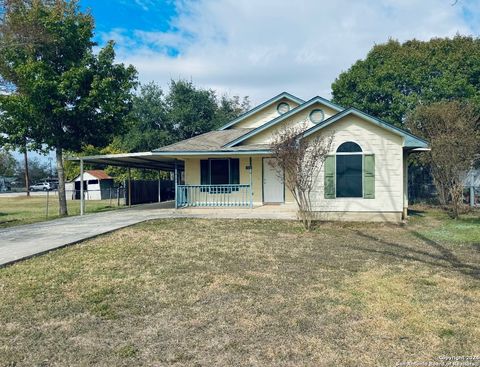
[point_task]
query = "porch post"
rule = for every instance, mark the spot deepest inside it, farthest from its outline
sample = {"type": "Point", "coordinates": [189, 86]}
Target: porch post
{"type": "Point", "coordinates": [405, 185]}
{"type": "Point", "coordinates": [159, 187]}
{"type": "Point", "coordinates": [176, 184]}
{"type": "Point", "coordinates": [129, 187]}
{"type": "Point", "coordinates": [251, 182]}
{"type": "Point", "coordinates": [472, 195]}
{"type": "Point", "coordinates": [81, 188]}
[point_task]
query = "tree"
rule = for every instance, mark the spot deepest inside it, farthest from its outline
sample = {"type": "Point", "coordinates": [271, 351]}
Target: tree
{"type": "Point", "coordinates": [7, 163]}
{"type": "Point", "coordinates": [298, 162]}
{"type": "Point", "coordinates": [159, 119]}
{"type": "Point", "coordinates": [452, 129]}
{"type": "Point", "coordinates": [395, 77]}
{"type": "Point", "coordinates": [38, 169]}
{"type": "Point", "coordinates": [230, 108]}
{"type": "Point", "coordinates": [148, 127]}
{"type": "Point", "coordinates": [191, 111]}
{"type": "Point", "coordinates": [72, 96]}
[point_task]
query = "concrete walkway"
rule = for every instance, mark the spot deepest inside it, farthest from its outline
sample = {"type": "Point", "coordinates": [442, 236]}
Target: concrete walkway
{"type": "Point", "coordinates": [22, 242]}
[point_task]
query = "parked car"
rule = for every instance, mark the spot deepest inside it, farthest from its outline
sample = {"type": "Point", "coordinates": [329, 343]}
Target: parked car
{"type": "Point", "coordinates": [41, 186]}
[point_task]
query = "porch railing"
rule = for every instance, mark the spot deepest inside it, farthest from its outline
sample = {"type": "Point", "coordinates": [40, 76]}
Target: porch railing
{"type": "Point", "coordinates": [213, 195]}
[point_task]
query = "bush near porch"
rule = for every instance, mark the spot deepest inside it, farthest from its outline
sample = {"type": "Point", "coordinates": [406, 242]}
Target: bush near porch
{"type": "Point", "coordinates": [249, 292]}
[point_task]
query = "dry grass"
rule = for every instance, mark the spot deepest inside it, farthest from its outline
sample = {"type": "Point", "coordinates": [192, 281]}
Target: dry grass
{"type": "Point", "coordinates": [19, 210]}
{"type": "Point", "coordinates": [230, 292]}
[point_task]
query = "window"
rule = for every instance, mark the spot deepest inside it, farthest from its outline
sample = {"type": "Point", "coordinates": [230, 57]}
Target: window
{"type": "Point", "coordinates": [316, 116]}
{"type": "Point", "coordinates": [349, 162]}
{"type": "Point", "coordinates": [92, 182]}
{"type": "Point", "coordinates": [220, 171]}
{"type": "Point", "coordinates": [283, 107]}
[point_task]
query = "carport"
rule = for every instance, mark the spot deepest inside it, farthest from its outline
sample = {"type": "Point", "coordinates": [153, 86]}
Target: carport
{"type": "Point", "coordinates": [145, 160]}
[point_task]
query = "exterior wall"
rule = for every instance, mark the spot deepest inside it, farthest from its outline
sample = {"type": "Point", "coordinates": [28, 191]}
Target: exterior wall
{"type": "Point", "coordinates": [301, 117]}
{"type": "Point", "coordinates": [387, 148]}
{"type": "Point", "coordinates": [263, 116]}
{"type": "Point", "coordinates": [378, 216]}
{"type": "Point", "coordinates": [388, 151]}
{"type": "Point", "coordinates": [192, 173]}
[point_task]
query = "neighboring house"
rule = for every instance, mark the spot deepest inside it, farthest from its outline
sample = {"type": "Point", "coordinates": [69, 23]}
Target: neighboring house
{"type": "Point", "coordinates": [364, 178]}
{"type": "Point", "coordinates": [97, 185]}
{"type": "Point", "coordinates": [471, 181]}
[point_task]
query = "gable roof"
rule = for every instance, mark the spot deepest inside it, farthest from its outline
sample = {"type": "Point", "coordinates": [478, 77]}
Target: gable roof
{"type": "Point", "coordinates": [280, 118]}
{"type": "Point", "coordinates": [261, 107]}
{"type": "Point", "coordinates": [98, 173]}
{"type": "Point", "coordinates": [411, 141]}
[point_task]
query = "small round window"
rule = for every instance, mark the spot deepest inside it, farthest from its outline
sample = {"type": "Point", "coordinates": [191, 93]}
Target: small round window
{"type": "Point", "coordinates": [283, 107]}
{"type": "Point", "coordinates": [316, 116]}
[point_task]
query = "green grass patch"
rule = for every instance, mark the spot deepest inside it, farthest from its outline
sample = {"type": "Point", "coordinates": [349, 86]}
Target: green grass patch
{"type": "Point", "coordinates": [20, 210]}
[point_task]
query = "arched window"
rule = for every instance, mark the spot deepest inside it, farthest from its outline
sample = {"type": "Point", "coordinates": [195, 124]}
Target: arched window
{"type": "Point", "coordinates": [349, 171]}
{"type": "Point", "coordinates": [349, 147]}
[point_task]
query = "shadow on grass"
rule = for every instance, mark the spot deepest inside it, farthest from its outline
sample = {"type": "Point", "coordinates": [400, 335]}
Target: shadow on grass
{"type": "Point", "coordinates": [416, 213]}
{"type": "Point", "coordinates": [435, 254]}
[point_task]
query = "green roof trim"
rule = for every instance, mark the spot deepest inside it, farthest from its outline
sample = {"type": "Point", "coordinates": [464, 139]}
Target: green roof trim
{"type": "Point", "coordinates": [261, 107]}
{"type": "Point", "coordinates": [280, 118]}
{"type": "Point", "coordinates": [411, 141]}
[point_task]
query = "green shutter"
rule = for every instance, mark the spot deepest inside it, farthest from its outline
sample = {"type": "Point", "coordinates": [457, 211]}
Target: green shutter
{"type": "Point", "coordinates": [369, 176]}
{"type": "Point", "coordinates": [329, 177]}
{"type": "Point", "coordinates": [234, 171]}
{"type": "Point", "coordinates": [204, 172]}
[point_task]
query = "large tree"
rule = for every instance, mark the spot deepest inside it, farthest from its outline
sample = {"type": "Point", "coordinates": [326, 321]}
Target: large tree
{"type": "Point", "coordinates": [395, 77]}
{"type": "Point", "coordinates": [71, 95]}
{"type": "Point", "coordinates": [159, 118]}
{"type": "Point", "coordinates": [191, 111]}
{"type": "Point", "coordinates": [148, 126]}
{"type": "Point", "coordinates": [453, 131]}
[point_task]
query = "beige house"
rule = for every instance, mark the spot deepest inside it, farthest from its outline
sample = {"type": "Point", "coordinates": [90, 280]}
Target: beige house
{"type": "Point", "coordinates": [364, 178]}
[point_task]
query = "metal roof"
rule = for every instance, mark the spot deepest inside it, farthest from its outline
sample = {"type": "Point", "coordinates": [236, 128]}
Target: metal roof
{"type": "Point", "coordinates": [144, 160]}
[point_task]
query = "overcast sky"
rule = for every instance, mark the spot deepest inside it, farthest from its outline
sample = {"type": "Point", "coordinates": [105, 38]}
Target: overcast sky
{"type": "Point", "coordinates": [260, 48]}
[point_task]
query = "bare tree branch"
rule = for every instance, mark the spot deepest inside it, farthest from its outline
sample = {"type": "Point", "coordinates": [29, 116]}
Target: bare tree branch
{"type": "Point", "coordinates": [298, 162]}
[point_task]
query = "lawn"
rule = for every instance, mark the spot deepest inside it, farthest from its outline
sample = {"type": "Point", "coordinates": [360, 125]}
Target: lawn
{"type": "Point", "coordinates": [191, 292]}
{"type": "Point", "coordinates": [19, 210]}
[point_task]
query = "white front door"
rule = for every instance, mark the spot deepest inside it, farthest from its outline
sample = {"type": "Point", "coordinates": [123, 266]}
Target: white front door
{"type": "Point", "coordinates": [273, 191]}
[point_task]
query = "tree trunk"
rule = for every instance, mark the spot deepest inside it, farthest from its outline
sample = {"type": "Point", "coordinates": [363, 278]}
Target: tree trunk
{"type": "Point", "coordinates": [62, 198]}
{"type": "Point", "coordinates": [27, 176]}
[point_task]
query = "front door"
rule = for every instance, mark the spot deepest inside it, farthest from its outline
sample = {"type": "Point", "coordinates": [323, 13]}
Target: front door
{"type": "Point", "coordinates": [273, 191]}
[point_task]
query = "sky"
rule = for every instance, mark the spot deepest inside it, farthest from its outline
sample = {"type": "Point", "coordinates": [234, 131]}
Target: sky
{"type": "Point", "coordinates": [259, 48]}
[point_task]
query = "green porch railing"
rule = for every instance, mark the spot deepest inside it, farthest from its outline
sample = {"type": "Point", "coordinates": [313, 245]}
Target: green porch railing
{"type": "Point", "coordinates": [214, 195]}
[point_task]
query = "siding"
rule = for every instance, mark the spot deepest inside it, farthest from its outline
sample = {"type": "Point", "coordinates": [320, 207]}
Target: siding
{"type": "Point", "coordinates": [388, 151]}
{"type": "Point", "coordinates": [263, 116]}
{"type": "Point", "coordinates": [267, 135]}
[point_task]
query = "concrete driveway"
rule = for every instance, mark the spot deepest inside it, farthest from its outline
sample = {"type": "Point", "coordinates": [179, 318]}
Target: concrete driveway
{"type": "Point", "coordinates": [22, 242]}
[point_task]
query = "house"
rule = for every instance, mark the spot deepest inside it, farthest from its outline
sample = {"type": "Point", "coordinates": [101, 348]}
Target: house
{"type": "Point", "coordinates": [97, 185]}
{"type": "Point", "coordinates": [364, 178]}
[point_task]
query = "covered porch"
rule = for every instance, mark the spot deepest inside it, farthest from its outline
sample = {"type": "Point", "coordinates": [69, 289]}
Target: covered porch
{"type": "Point", "coordinates": [201, 180]}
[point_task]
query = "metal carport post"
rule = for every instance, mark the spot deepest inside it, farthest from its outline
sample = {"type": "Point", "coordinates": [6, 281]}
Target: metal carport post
{"type": "Point", "coordinates": [82, 201]}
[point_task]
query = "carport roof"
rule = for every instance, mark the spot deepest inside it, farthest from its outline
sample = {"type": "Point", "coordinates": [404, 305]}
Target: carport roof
{"type": "Point", "coordinates": [144, 160]}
